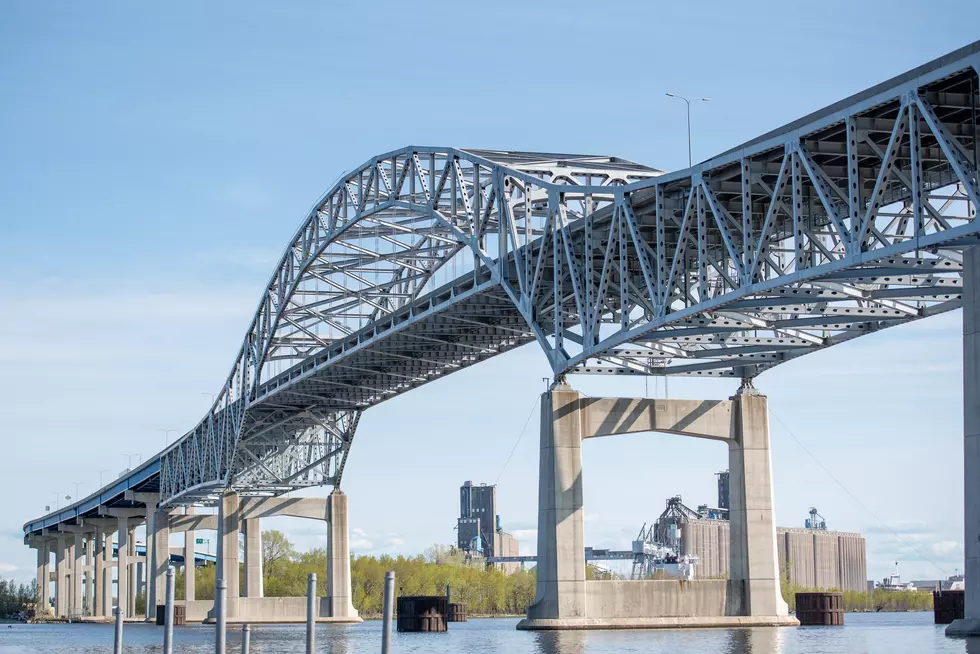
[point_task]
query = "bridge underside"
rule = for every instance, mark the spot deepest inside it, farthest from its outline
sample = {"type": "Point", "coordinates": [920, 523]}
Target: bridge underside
{"type": "Point", "coordinates": [426, 260]}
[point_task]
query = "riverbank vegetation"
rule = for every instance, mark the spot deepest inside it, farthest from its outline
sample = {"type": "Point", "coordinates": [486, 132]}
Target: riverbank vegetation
{"type": "Point", "coordinates": [16, 599]}
{"type": "Point", "coordinates": [856, 601]}
{"type": "Point", "coordinates": [485, 591]}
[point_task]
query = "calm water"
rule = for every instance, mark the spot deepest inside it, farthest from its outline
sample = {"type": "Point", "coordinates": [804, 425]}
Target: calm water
{"type": "Point", "coordinates": [863, 632]}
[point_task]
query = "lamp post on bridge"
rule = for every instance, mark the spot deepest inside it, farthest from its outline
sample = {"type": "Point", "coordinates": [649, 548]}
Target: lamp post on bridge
{"type": "Point", "coordinates": [688, 101]}
{"type": "Point", "coordinates": [166, 433]}
{"type": "Point", "coordinates": [101, 472]}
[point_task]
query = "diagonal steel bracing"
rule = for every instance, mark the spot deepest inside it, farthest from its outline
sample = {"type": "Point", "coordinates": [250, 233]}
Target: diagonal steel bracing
{"type": "Point", "coordinates": [423, 261]}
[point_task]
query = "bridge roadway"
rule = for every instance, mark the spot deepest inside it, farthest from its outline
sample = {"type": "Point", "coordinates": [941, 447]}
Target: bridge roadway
{"type": "Point", "coordinates": [422, 261]}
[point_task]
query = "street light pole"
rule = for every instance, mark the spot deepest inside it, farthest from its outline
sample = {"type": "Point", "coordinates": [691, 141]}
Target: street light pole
{"type": "Point", "coordinates": [166, 433]}
{"type": "Point", "coordinates": [688, 101]}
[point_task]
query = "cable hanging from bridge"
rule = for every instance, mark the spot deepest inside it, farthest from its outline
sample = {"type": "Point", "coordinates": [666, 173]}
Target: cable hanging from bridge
{"type": "Point", "coordinates": [514, 449]}
{"type": "Point", "coordinates": [853, 497]}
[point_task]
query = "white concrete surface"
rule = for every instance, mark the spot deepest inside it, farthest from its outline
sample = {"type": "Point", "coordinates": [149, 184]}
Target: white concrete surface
{"type": "Point", "coordinates": [563, 598]}
{"type": "Point", "coordinates": [560, 588]}
{"type": "Point", "coordinates": [253, 557]}
{"type": "Point", "coordinates": [970, 624]}
{"type": "Point", "coordinates": [751, 517]}
{"type": "Point", "coordinates": [338, 599]}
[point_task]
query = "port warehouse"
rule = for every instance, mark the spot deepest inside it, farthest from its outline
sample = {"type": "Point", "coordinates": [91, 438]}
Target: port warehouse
{"type": "Point", "coordinates": [812, 558]}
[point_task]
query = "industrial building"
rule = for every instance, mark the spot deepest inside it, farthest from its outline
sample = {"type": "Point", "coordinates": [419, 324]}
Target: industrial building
{"type": "Point", "coordinates": [478, 530]}
{"type": "Point", "coordinates": [811, 556]}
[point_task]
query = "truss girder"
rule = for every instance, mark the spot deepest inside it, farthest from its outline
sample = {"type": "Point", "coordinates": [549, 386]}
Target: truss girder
{"type": "Point", "coordinates": [423, 261]}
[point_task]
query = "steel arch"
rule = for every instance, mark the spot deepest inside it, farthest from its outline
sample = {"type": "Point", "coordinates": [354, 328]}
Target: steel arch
{"type": "Point", "coordinates": [844, 223]}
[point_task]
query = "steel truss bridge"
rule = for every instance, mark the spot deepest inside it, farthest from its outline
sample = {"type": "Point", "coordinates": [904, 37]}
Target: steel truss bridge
{"type": "Point", "coordinates": [423, 261]}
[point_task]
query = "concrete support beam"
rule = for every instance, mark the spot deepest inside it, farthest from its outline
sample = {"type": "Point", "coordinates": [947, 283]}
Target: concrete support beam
{"type": "Point", "coordinates": [754, 557]}
{"type": "Point", "coordinates": [313, 508]}
{"type": "Point", "coordinates": [560, 589]}
{"type": "Point", "coordinates": [62, 580]}
{"type": "Point", "coordinates": [562, 597]}
{"type": "Point", "coordinates": [75, 564]}
{"type": "Point", "coordinates": [102, 564]}
{"type": "Point", "coordinates": [122, 566]}
{"type": "Point", "coordinates": [131, 585]}
{"type": "Point", "coordinates": [602, 416]}
{"type": "Point", "coordinates": [42, 606]}
{"type": "Point", "coordinates": [90, 574]}
{"type": "Point", "coordinates": [158, 549]}
{"type": "Point", "coordinates": [154, 522]}
{"type": "Point", "coordinates": [338, 597]}
{"type": "Point", "coordinates": [189, 559]}
{"type": "Point", "coordinates": [253, 557]}
{"type": "Point", "coordinates": [228, 530]}
{"type": "Point", "coordinates": [970, 624]}
{"type": "Point", "coordinates": [98, 574]}
{"type": "Point", "coordinates": [193, 522]}
{"type": "Point", "coordinates": [78, 563]}
{"type": "Point", "coordinates": [124, 521]}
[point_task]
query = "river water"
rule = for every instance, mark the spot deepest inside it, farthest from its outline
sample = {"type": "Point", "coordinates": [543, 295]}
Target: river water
{"type": "Point", "coordinates": [871, 633]}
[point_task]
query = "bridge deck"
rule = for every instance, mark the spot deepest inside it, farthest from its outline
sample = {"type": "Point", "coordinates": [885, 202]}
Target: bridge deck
{"type": "Point", "coordinates": [843, 223]}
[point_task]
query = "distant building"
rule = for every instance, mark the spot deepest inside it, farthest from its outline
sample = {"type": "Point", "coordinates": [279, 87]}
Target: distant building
{"type": "Point", "coordinates": [478, 528]}
{"type": "Point", "coordinates": [810, 557]}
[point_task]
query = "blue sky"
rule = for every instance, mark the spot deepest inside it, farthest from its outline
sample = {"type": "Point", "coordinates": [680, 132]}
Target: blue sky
{"type": "Point", "coordinates": [154, 160]}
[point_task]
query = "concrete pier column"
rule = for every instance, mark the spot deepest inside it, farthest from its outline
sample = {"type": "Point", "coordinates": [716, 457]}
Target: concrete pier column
{"type": "Point", "coordinates": [90, 574]}
{"type": "Point", "coordinates": [43, 575]}
{"type": "Point", "coordinates": [141, 581]}
{"type": "Point", "coordinates": [62, 580]}
{"type": "Point", "coordinates": [131, 585]}
{"type": "Point", "coordinates": [228, 530]}
{"type": "Point", "coordinates": [338, 597]}
{"type": "Point", "coordinates": [46, 577]}
{"type": "Point", "coordinates": [560, 591]}
{"type": "Point", "coordinates": [253, 557]}
{"type": "Point", "coordinates": [970, 624]}
{"type": "Point", "coordinates": [754, 559]}
{"type": "Point", "coordinates": [106, 580]}
{"type": "Point", "coordinates": [98, 573]}
{"type": "Point", "coordinates": [77, 569]}
{"type": "Point", "coordinates": [190, 543]}
{"type": "Point", "coordinates": [158, 547]}
{"type": "Point", "coordinates": [122, 566]}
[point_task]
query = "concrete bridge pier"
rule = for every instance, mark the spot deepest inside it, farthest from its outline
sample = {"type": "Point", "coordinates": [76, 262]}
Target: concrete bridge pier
{"type": "Point", "coordinates": [125, 585]}
{"type": "Point", "coordinates": [227, 550]}
{"type": "Point", "coordinates": [103, 565]}
{"type": "Point", "coordinates": [90, 573]}
{"type": "Point", "coordinates": [132, 584]}
{"type": "Point", "coordinates": [338, 599]}
{"type": "Point", "coordinates": [61, 576]}
{"type": "Point", "coordinates": [565, 600]}
{"type": "Point", "coordinates": [969, 625]}
{"type": "Point", "coordinates": [189, 560]}
{"type": "Point", "coordinates": [42, 545]}
{"type": "Point", "coordinates": [98, 574]}
{"type": "Point", "coordinates": [253, 557]}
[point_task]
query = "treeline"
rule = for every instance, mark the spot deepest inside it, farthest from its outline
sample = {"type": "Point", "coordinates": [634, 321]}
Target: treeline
{"type": "Point", "coordinates": [485, 591]}
{"type": "Point", "coordinates": [16, 598]}
{"type": "Point", "coordinates": [285, 573]}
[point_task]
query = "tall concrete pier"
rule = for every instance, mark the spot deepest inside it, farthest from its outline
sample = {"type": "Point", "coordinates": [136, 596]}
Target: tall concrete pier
{"type": "Point", "coordinates": [565, 600]}
{"type": "Point", "coordinates": [970, 624]}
